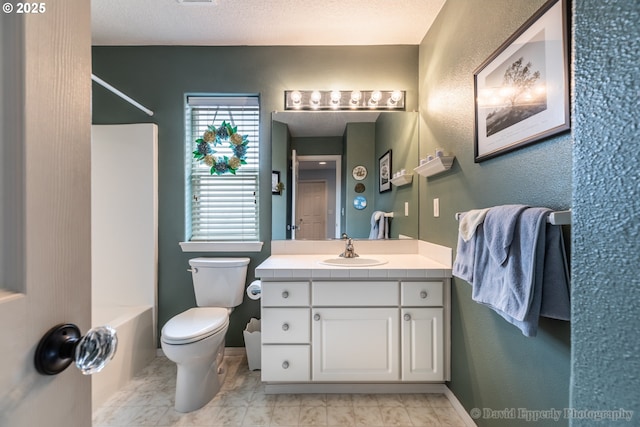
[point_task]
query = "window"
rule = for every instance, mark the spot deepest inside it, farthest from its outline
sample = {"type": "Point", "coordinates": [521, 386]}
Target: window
{"type": "Point", "coordinates": [222, 207]}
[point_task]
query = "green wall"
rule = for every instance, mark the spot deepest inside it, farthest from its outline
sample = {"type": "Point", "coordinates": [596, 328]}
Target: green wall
{"type": "Point", "coordinates": [359, 140]}
{"type": "Point", "coordinates": [159, 76]}
{"type": "Point", "coordinates": [493, 364]}
{"type": "Point", "coordinates": [399, 133]}
{"type": "Point", "coordinates": [606, 194]}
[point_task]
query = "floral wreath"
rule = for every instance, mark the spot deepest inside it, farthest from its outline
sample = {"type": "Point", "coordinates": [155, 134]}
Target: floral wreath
{"type": "Point", "coordinates": [212, 137]}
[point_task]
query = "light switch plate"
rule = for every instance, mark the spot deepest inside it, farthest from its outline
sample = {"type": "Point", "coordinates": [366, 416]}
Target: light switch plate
{"type": "Point", "coordinates": [436, 207]}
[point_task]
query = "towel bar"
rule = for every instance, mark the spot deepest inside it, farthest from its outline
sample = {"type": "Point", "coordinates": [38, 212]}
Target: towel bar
{"type": "Point", "coordinates": [554, 218]}
{"type": "Point", "coordinates": [388, 214]}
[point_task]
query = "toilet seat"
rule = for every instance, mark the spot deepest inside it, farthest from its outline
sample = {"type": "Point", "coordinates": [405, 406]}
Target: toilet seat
{"type": "Point", "coordinates": [195, 324]}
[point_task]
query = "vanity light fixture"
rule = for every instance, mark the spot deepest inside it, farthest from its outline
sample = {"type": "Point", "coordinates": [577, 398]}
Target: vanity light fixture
{"type": "Point", "coordinates": [344, 100]}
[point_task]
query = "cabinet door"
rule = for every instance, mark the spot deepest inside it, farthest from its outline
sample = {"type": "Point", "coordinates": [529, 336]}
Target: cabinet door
{"type": "Point", "coordinates": [422, 344]}
{"type": "Point", "coordinates": [355, 344]}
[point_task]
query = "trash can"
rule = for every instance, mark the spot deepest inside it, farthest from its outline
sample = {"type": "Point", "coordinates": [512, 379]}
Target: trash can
{"type": "Point", "coordinates": [252, 343]}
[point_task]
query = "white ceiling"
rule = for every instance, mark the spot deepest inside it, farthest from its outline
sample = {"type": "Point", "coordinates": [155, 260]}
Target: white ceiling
{"type": "Point", "coordinates": [262, 22]}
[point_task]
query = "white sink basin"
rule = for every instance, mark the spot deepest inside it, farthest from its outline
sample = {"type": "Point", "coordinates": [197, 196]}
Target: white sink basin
{"type": "Point", "coordinates": [353, 262]}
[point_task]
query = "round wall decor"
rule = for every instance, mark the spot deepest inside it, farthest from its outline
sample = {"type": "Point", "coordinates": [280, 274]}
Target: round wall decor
{"type": "Point", "coordinates": [359, 188]}
{"type": "Point", "coordinates": [359, 173]}
{"type": "Point", "coordinates": [359, 202]}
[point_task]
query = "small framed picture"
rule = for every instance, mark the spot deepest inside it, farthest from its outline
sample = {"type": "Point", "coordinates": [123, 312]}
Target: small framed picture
{"type": "Point", "coordinates": [522, 89]}
{"type": "Point", "coordinates": [384, 172]}
{"type": "Point", "coordinates": [275, 181]}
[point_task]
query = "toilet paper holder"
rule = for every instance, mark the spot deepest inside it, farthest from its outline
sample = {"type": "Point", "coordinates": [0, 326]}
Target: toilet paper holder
{"type": "Point", "coordinates": [254, 290]}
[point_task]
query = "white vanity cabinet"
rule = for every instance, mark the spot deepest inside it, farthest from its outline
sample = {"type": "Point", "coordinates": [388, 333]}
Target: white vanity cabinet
{"type": "Point", "coordinates": [422, 333]}
{"type": "Point", "coordinates": [355, 331]}
{"type": "Point", "coordinates": [286, 335]}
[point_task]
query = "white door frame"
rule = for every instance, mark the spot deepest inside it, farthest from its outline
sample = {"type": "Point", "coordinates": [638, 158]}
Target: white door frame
{"type": "Point", "coordinates": [317, 158]}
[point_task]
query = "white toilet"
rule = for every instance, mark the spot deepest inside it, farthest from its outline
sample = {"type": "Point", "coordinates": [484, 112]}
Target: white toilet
{"type": "Point", "coordinates": [194, 339]}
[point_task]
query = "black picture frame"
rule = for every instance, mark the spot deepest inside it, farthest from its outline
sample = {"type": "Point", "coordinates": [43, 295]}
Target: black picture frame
{"type": "Point", "coordinates": [384, 172]}
{"type": "Point", "coordinates": [522, 89]}
{"type": "Point", "coordinates": [275, 180]}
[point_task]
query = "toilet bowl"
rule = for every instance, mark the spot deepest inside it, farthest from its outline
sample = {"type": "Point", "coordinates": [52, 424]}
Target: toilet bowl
{"type": "Point", "coordinates": [194, 339]}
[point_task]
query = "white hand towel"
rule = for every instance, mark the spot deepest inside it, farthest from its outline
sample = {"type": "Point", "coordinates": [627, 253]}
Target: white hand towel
{"type": "Point", "coordinates": [470, 221]}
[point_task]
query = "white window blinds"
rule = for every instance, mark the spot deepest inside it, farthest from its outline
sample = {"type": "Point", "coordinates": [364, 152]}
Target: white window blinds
{"type": "Point", "coordinates": [222, 207]}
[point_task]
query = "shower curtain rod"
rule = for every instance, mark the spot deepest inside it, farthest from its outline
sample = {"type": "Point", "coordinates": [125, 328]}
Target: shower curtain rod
{"type": "Point", "coordinates": [120, 94]}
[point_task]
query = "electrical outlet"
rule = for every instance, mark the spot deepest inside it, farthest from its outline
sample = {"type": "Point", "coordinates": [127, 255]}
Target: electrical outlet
{"type": "Point", "coordinates": [436, 207]}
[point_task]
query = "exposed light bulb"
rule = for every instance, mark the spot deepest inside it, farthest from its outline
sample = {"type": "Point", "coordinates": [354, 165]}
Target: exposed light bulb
{"type": "Point", "coordinates": [375, 97]}
{"type": "Point", "coordinates": [296, 97]}
{"type": "Point", "coordinates": [356, 95]}
{"type": "Point", "coordinates": [316, 97]}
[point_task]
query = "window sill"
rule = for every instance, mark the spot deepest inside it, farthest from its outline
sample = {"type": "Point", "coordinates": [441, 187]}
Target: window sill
{"type": "Point", "coordinates": [221, 246]}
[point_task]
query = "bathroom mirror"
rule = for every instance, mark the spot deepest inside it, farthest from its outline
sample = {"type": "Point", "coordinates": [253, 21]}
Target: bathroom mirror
{"type": "Point", "coordinates": [328, 163]}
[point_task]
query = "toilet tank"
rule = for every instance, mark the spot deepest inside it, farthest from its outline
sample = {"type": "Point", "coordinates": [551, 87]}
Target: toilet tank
{"type": "Point", "coordinates": [219, 282]}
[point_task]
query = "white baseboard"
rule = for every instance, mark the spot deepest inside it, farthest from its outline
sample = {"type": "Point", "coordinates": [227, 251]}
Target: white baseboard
{"type": "Point", "coordinates": [468, 421]}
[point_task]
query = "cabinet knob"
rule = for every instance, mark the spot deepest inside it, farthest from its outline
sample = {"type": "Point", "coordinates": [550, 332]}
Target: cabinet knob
{"type": "Point", "coordinates": [285, 326]}
{"type": "Point", "coordinates": [316, 316]}
{"type": "Point", "coordinates": [423, 294]}
{"type": "Point", "coordinates": [407, 317]}
{"type": "Point", "coordinates": [285, 365]}
{"type": "Point", "coordinates": [285, 294]}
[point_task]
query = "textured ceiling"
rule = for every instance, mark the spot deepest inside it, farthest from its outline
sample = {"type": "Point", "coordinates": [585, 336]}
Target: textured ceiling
{"type": "Point", "coordinates": [262, 22]}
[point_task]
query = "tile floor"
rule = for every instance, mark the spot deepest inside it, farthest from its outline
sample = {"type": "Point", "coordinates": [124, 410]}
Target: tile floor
{"type": "Point", "coordinates": [148, 401]}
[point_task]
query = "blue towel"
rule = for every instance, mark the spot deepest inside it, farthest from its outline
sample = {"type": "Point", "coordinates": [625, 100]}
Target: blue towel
{"type": "Point", "coordinates": [532, 279]}
{"type": "Point", "coordinates": [465, 255]}
{"type": "Point", "coordinates": [379, 226]}
{"type": "Point", "coordinates": [556, 300]}
{"type": "Point", "coordinates": [500, 223]}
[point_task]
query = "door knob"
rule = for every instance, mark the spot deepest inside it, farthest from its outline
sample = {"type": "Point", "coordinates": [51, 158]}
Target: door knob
{"type": "Point", "coordinates": [64, 344]}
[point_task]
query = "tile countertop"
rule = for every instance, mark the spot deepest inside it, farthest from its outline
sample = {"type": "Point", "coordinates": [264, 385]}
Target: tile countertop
{"type": "Point", "coordinates": [398, 266]}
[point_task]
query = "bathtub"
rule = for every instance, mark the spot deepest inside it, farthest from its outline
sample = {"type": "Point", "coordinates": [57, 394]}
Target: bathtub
{"type": "Point", "coordinates": [136, 348]}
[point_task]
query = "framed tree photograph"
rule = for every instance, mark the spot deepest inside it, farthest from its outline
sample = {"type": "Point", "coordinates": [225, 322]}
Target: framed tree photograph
{"type": "Point", "coordinates": [384, 172]}
{"type": "Point", "coordinates": [522, 89]}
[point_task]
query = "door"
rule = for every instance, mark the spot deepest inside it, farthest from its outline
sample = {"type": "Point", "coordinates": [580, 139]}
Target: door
{"type": "Point", "coordinates": [422, 344]}
{"type": "Point", "coordinates": [312, 210]}
{"type": "Point", "coordinates": [45, 268]}
{"type": "Point", "coordinates": [355, 344]}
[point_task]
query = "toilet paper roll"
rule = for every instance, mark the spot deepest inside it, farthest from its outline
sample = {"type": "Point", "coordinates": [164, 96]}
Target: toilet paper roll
{"type": "Point", "coordinates": [254, 290]}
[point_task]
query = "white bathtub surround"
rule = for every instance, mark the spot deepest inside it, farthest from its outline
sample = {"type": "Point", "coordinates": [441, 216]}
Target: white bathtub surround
{"type": "Point", "coordinates": [124, 234]}
{"type": "Point", "coordinates": [136, 348]}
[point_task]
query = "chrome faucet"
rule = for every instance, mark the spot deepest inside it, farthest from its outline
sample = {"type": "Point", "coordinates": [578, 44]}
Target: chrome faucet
{"type": "Point", "coordinates": [349, 251]}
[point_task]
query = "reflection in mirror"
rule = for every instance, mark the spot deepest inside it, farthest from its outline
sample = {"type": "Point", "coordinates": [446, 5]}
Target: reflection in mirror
{"type": "Point", "coordinates": [322, 156]}
{"type": "Point", "coordinates": [317, 197]}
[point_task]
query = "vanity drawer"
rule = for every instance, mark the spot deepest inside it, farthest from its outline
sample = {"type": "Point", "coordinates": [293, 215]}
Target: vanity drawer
{"type": "Point", "coordinates": [286, 363]}
{"type": "Point", "coordinates": [285, 294]}
{"type": "Point", "coordinates": [350, 293]}
{"type": "Point", "coordinates": [421, 294]}
{"type": "Point", "coordinates": [286, 325]}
